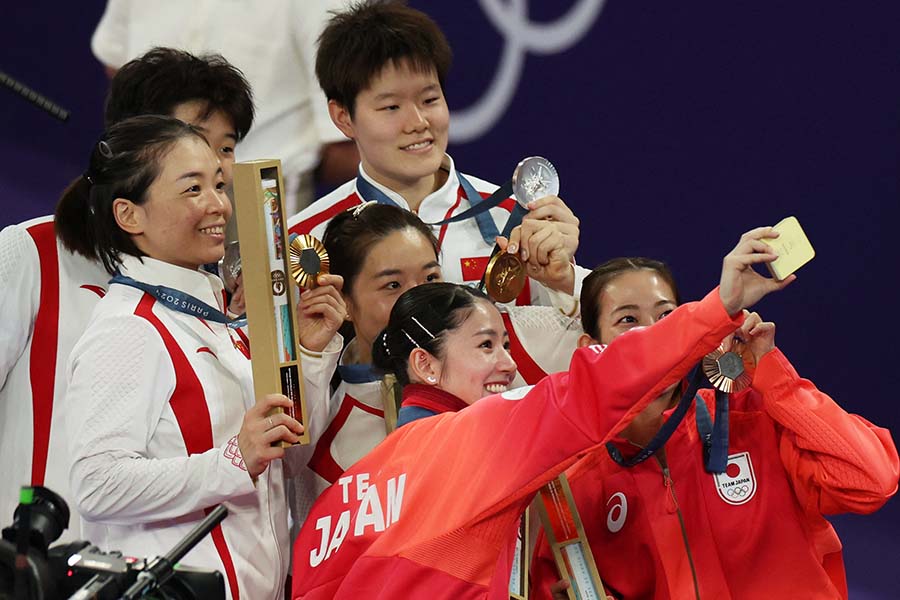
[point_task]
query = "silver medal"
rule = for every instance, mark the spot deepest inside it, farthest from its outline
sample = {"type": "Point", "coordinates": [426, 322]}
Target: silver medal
{"type": "Point", "coordinates": [534, 178]}
{"type": "Point", "coordinates": [230, 266]}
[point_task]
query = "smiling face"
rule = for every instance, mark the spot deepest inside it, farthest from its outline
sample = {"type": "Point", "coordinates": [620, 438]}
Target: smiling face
{"type": "Point", "coordinates": [397, 262]}
{"type": "Point", "coordinates": [476, 360]}
{"type": "Point", "coordinates": [182, 222]}
{"type": "Point", "coordinates": [637, 298]}
{"type": "Point", "coordinates": [400, 125]}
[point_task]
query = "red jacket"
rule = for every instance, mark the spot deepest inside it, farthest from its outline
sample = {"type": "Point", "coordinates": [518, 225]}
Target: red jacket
{"type": "Point", "coordinates": [756, 531]}
{"type": "Point", "coordinates": [432, 511]}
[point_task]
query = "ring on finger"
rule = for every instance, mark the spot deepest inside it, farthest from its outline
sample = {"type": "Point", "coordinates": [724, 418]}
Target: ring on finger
{"type": "Point", "coordinates": [271, 424]}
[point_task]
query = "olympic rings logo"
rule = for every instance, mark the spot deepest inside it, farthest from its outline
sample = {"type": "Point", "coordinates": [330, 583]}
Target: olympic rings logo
{"type": "Point", "coordinates": [738, 492]}
{"type": "Point", "coordinates": [510, 18]}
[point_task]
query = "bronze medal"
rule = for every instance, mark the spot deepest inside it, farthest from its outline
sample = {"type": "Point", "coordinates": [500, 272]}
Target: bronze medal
{"type": "Point", "coordinates": [730, 367]}
{"type": "Point", "coordinates": [504, 277]}
{"type": "Point", "coordinates": [308, 259]}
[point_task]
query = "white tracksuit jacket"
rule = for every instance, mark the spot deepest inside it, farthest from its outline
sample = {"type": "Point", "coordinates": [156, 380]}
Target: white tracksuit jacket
{"type": "Point", "coordinates": [156, 399]}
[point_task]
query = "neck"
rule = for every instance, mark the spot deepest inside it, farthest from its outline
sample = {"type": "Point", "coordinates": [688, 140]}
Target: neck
{"type": "Point", "coordinates": [414, 192]}
{"type": "Point", "coordinates": [645, 425]}
{"type": "Point", "coordinates": [431, 398]}
{"type": "Point", "coordinates": [358, 352]}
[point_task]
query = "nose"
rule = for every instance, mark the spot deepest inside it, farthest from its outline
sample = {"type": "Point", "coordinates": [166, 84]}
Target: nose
{"type": "Point", "coordinates": [416, 120]}
{"type": "Point", "coordinates": [218, 203]}
{"type": "Point", "coordinates": [505, 362]}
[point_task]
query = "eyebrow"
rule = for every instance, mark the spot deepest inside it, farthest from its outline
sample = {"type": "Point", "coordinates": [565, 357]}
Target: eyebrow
{"type": "Point", "coordinates": [390, 95]}
{"type": "Point", "coordinates": [491, 332]}
{"type": "Point", "coordinates": [193, 174]}
{"type": "Point", "coordinates": [230, 134]}
{"type": "Point", "coordinates": [389, 272]}
{"type": "Point", "coordinates": [635, 306]}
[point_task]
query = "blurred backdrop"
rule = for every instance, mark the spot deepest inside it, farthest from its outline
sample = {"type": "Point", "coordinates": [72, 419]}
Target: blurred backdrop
{"type": "Point", "coordinates": [674, 127]}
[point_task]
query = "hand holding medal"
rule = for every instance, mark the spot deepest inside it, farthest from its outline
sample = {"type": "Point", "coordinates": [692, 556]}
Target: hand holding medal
{"type": "Point", "coordinates": [534, 178]}
{"type": "Point", "coordinates": [308, 259]}
{"type": "Point", "coordinates": [321, 309]}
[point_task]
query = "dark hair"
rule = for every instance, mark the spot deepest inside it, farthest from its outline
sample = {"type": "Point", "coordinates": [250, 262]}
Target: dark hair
{"type": "Point", "coordinates": [351, 234]}
{"type": "Point", "coordinates": [163, 78]}
{"type": "Point", "coordinates": [123, 164]}
{"type": "Point", "coordinates": [358, 44]}
{"type": "Point", "coordinates": [420, 319]}
{"type": "Point", "coordinates": [599, 278]}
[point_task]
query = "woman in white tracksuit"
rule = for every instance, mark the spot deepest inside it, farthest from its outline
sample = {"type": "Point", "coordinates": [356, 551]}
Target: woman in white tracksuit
{"type": "Point", "coordinates": [161, 417]}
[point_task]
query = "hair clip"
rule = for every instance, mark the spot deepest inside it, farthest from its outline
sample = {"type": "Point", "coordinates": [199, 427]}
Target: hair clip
{"type": "Point", "coordinates": [358, 209]}
{"type": "Point", "coordinates": [87, 177]}
{"type": "Point", "coordinates": [384, 343]}
{"type": "Point", "coordinates": [431, 335]}
{"type": "Point", "coordinates": [409, 337]}
{"type": "Point", "coordinates": [104, 149]}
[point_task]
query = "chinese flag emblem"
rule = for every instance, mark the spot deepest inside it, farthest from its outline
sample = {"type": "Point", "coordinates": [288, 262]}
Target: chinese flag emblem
{"type": "Point", "coordinates": [473, 268]}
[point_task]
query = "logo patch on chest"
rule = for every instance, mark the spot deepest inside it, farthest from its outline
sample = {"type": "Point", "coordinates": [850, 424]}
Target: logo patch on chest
{"type": "Point", "coordinates": [618, 512]}
{"type": "Point", "coordinates": [737, 484]}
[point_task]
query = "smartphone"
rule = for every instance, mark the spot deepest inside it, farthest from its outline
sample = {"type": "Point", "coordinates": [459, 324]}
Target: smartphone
{"type": "Point", "coordinates": [792, 246]}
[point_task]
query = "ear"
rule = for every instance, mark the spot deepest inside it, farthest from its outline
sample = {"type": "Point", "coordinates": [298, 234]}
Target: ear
{"type": "Point", "coordinates": [424, 367]}
{"type": "Point", "coordinates": [350, 306]}
{"type": "Point", "coordinates": [340, 116]}
{"type": "Point", "coordinates": [129, 216]}
{"type": "Point", "coordinates": [585, 340]}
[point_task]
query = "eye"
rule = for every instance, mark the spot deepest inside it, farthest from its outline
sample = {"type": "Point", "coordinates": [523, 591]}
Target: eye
{"type": "Point", "coordinates": [392, 285]}
{"type": "Point", "coordinates": [390, 108]}
{"type": "Point", "coordinates": [220, 186]}
{"type": "Point", "coordinates": [664, 314]}
{"type": "Point", "coordinates": [432, 100]}
{"type": "Point", "coordinates": [629, 319]}
{"type": "Point", "coordinates": [506, 345]}
{"type": "Point", "coordinates": [227, 150]}
{"type": "Point", "coordinates": [433, 277]}
{"type": "Point", "coordinates": [194, 189]}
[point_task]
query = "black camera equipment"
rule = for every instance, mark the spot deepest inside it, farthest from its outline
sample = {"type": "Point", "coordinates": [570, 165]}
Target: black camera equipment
{"type": "Point", "coordinates": [30, 570]}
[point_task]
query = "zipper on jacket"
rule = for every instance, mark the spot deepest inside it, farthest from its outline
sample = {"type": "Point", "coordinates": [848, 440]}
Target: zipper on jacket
{"type": "Point", "coordinates": [667, 482]}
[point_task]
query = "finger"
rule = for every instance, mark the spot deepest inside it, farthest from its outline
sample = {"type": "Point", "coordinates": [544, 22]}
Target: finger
{"type": "Point", "coordinates": [331, 280]}
{"type": "Point", "coordinates": [515, 239]}
{"type": "Point", "coordinates": [543, 244]}
{"type": "Point", "coordinates": [280, 434]}
{"type": "Point", "coordinates": [270, 401]}
{"type": "Point", "coordinates": [316, 302]}
{"type": "Point", "coordinates": [780, 285]}
{"type": "Point", "coordinates": [267, 453]}
{"type": "Point", "coordinates": [502, 242]}
{"type": "Point", "coordinates": [551, 208]}
{"type": "Point", "coordinates": [752, 259]}
{"type": "Point", "coordinates": [285, 420]}
{"type": "Point", "coordinates": [760, 232]}
{"type": "Point", "coordinates": [762, 328]}
{"type": "Point", "coordinates": [745, 331]}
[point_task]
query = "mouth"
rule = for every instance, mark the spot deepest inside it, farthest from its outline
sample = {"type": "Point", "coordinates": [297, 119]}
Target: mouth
{"type": "Point", "coordinates": [496, 388]}
{"type": "Point", "coordinates": [417, 146]}
{"type": "Point", "coordinates": [215, 230]}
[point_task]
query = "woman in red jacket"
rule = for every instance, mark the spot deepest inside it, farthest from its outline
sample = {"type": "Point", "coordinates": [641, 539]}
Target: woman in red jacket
{"type": "Point", "coordinates": [670, 528]}
{"type": "Point", "coordinates": [432, 511]}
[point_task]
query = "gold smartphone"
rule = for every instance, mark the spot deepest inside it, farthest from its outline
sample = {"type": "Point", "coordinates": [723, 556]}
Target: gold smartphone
{"type": "Point", "coordinates": [792, 246]}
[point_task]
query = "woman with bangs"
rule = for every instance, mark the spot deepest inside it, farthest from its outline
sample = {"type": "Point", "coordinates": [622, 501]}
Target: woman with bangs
{"type": "Point", "coordinates": [675, 526]}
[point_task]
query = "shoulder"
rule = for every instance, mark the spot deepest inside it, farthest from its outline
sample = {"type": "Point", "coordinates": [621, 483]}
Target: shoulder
{"type": "Point", "coordinates": [315, 217]}
{"type": "Point", "coordinates": [481, 185]}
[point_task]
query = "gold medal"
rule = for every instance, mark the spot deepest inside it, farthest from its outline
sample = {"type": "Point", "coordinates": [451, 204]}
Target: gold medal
{"type": "Point", "coordinates": [730, 367]}
{"type": "Point", "coordinates": [504, 277]}
{"type": "Point", "coordinates": [308, 259]}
